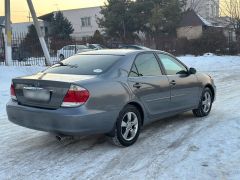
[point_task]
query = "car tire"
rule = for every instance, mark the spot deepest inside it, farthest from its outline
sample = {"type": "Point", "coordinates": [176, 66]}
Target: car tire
{"type": "Point", "coordinates": [205, 105]}
{"type": "Point", "coordinates": [61, 57]}
{"type": "Point", "coordinates": [127, 128]}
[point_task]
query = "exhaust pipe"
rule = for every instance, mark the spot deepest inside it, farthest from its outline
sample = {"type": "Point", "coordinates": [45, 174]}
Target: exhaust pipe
{"type": "Point", "coordinates": [63, 137]}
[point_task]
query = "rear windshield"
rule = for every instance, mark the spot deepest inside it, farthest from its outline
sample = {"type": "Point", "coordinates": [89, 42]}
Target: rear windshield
{"type": "Point", "coordinates": [84, 65]}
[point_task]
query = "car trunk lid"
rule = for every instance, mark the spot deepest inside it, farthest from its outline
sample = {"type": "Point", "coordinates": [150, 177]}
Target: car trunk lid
{"type": "Point", "coordinates": [45, 90]}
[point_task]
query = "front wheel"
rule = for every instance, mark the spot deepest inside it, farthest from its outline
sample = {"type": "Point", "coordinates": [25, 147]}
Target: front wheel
{"type": "Point", "coordinates": [127, 127]}
{"type": "Point", "coordinates": [205, 105]}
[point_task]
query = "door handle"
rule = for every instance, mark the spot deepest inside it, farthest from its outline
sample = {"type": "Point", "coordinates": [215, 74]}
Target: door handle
{"type": "Point", "coordinates": [173, 83]}
{"type": "Point", "coordinates": [137, 85]}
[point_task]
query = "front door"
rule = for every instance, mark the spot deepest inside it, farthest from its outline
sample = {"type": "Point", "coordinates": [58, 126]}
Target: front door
{"type": "Point", "coordinates": [184, 86]}
{"type": "Point", "coordinates": [149, 85]}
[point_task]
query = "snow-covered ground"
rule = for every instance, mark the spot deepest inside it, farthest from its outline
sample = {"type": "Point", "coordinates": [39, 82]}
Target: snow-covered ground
{"type": "Point", "coordinates": [181, 147]}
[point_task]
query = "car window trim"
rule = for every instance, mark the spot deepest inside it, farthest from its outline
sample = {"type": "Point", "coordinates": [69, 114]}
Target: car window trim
{"type": "Point", "coordinates": [148, 52]}
{"type": "Point", "coordinates": [174, 59]}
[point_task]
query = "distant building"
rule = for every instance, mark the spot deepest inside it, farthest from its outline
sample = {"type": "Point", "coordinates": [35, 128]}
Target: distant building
{"type": "Point", "coordinates": [84, 21]}
{"type": "Point", "coordinates": [193, 25]}
{"type": "Point", "coordinates": [22, 28]}
{"type": "Point", "coordinates": [208, 9]}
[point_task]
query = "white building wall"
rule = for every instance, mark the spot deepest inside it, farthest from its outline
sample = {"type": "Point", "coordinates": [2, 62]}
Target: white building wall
{"type": "Point", "coordinates": [22, 28]}
{"type": "Point", "coordinates": [75, 16]}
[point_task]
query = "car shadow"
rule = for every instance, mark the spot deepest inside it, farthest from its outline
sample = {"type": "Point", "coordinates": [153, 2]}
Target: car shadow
{"type": "Point", "coordinates": [89, 142]}
{"type": "Point", "coordinates": [82, 144]}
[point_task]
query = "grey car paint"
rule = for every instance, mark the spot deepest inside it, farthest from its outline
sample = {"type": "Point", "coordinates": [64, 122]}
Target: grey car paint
{"type": "Point", "coordinates": [109, 93]}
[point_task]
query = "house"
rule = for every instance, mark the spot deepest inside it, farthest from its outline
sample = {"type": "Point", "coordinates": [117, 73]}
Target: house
{"type": "Point", "coordinates": [193, 25]}
{"type": "Point", "coordinates": [84, 21]}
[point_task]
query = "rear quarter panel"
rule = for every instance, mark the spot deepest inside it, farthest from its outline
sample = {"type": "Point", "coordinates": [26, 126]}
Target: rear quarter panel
{"type": "Point", "coordinates": [106, 95]}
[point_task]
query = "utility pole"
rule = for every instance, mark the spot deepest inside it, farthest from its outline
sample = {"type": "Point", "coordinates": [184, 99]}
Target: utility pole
{"type": "Point", "coordinates": [8, 34]}
{"type": "Point", "coordinates": [39, 32]}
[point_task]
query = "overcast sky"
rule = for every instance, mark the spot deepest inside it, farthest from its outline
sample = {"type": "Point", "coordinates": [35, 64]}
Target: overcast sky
{"type": "Point", "coordinates": [20, 10]}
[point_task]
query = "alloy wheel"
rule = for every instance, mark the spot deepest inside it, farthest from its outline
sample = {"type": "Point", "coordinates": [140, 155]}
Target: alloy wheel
{"type": "Point", "coordinates": [206, 102]}
{"type": "Point", "coordinates": [129, 126]}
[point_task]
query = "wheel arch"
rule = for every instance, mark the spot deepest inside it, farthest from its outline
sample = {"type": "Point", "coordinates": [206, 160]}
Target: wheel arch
{"type": "Point", "coordinates": [140, 109]}
{"type": "Point", "coordinates": [212, 90]}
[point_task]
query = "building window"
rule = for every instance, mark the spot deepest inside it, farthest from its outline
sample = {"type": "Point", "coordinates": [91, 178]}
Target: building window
{"type": "Point", "coordinates": [86, 21]}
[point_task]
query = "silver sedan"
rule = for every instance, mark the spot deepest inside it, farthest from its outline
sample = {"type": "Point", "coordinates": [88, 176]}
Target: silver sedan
{"type": "Point", "coordinates": [114, 92]}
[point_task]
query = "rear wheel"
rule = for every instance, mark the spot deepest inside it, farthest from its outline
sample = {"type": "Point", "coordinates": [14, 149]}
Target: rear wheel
{"type": "Point", "coordinates": [127, 127]}
{"type": "Point", "coordinates": [205, 104]}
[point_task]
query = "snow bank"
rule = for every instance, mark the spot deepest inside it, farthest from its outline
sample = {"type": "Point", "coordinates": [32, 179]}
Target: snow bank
{"type": "Point", "coordinates": [212, 63]}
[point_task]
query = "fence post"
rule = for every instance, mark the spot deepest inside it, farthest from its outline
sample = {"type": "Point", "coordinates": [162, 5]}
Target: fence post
{"type": "Point", "coordinates": [8, 34]}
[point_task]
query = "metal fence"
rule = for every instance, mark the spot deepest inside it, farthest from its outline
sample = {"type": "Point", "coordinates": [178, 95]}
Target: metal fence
{"type": "Point", "coordinates": [27, 51]}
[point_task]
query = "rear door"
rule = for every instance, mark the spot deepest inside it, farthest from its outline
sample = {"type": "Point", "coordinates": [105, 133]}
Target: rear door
{"type": "Point", "coordinates": [149, 85]}
{"type": "Point", "coordinates": [184, 86]}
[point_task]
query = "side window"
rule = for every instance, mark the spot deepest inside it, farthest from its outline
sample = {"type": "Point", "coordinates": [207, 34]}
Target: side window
{"type": "Point", "coordinates": [65, 48]}
{"type": "Point", "coordinates": [71, 48]}
{"type": "Point", "coordinates": [91, 46]}
{"type": "Point", "coordinates": [145, 65]}
{"type": "Point", "coordinates": [171, 65]}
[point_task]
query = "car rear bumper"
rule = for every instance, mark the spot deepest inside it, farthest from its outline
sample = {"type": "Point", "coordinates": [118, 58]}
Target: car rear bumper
{"type": "Point", "coordinates": [66, 121]}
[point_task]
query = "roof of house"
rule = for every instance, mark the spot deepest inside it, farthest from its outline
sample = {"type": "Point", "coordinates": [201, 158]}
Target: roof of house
{"type": "Point", "coordinates": [191, 18]}
{"type": "Point", "coordinates": [45, 17]}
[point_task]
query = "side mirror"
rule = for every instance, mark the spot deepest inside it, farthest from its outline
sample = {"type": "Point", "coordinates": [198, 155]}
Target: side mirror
{"type": "Point", "coordinates": [192, 71]}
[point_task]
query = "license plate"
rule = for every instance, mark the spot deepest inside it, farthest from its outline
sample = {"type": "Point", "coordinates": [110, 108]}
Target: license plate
{"type": "Point", "coordinates": [36, 94]}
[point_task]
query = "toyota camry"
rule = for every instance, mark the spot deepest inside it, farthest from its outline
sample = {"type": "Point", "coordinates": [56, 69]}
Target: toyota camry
{"type": "Point", "coordinates": [111, 92]}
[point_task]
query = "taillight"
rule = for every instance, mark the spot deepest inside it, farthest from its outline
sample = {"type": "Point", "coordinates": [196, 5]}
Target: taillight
{"type": "Point", "coordinates": [75, 96]}
{"type": "Point", "coordinates": [12, 92]}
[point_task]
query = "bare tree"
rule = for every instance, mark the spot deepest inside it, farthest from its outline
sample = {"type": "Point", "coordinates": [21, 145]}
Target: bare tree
{"type": "Point", "coordinates": [231, 9]}
{"type": "Point", "coordinates": [206, 8]}
{"type": "Point", "coordinates": [196, 5]}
